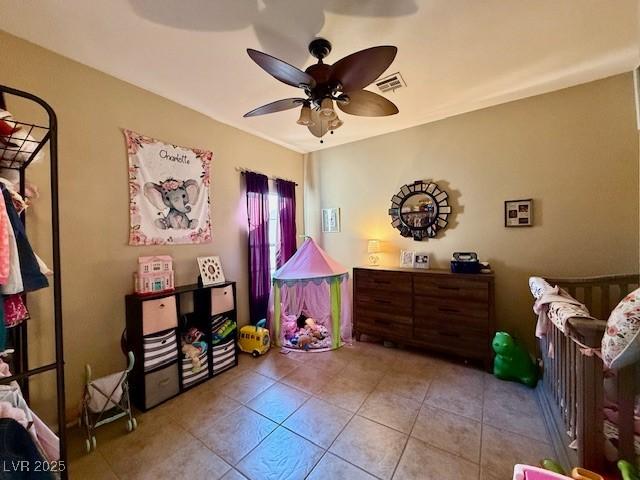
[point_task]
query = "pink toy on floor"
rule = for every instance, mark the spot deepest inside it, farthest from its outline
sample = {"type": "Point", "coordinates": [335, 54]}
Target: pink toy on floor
{"type": "Point", "coordinates": [527, 472]}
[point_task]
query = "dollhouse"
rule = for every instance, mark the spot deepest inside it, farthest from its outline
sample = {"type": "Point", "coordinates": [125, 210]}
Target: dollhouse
{"type": "Point", "coordinates": [155, 274]}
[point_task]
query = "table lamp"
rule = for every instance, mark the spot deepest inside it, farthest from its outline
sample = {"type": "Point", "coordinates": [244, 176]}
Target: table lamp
{"type": "Point", "coordinates": [373, 247]}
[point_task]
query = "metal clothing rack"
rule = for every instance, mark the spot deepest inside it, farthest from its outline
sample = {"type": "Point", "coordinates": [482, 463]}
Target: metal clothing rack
{"type": "Point", "coordinates": [17, 154]}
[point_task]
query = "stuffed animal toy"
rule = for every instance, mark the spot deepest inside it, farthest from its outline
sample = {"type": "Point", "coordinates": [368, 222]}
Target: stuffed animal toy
{"type": "Point", "coordinates": [304, 341]}
{"type": "Point", "coordinates": [192, 353]}
{"type": "Point", "coordinates": [512, 361]}
{"type": "Point", "coordinates": [192, 335]}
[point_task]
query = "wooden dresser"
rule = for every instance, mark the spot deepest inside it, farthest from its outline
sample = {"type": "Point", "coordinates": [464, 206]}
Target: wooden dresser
{"type": "Point", "coordinates": [435, 309]}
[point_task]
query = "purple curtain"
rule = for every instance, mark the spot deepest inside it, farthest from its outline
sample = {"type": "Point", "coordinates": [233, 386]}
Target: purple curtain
{"type": "Point", "coordinates": [287, 207]}
{"type": "Point", "coordinates": [259, 271]}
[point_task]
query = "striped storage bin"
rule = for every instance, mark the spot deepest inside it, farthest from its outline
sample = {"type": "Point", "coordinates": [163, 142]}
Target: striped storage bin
{"type": "Point", "coordinates": [159, 349]}
{"type": "Point", "coordinates": [189, 377]}
{"type": "Point", "coordinates": [224, 355]}
{"type": "Point", "coordinates": [217, 321]}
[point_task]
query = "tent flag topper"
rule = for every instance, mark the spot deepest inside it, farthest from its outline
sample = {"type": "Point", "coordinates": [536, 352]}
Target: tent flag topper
{"type": "Point", "coordinates": [168, 192]}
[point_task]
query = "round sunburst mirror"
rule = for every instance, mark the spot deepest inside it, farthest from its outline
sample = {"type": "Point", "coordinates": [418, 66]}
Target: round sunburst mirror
{"type": "Point", "coordinates": [419, 210]}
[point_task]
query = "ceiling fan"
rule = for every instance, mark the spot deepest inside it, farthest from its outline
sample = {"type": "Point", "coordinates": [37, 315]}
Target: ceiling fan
{"type": "Point", "coordinates": [324, 84]}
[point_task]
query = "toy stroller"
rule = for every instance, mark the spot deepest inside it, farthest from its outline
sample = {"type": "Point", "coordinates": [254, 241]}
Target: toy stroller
{"type": "Point", "coordinates": [105, 400]}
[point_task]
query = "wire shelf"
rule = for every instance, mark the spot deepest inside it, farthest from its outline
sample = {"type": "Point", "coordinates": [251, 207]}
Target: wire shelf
{"type": "Point", "coordinates": [18, 149]}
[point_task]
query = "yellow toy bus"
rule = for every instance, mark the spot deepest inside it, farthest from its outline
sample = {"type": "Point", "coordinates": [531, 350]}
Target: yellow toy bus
{"type": "Point", "coordinates": [254, 339]}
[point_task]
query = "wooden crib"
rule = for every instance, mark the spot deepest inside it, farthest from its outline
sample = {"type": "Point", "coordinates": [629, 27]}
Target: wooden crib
{"type": "Point", "coordinates": [571, 392]}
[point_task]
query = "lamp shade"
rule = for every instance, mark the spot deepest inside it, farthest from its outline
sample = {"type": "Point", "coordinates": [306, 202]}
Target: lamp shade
{"type": "Point", "coordinates": [373, 246]}
{"type": "Point", "coordinates": [305, 116]}
{"type": "Point", "coordinates": [326, 109]}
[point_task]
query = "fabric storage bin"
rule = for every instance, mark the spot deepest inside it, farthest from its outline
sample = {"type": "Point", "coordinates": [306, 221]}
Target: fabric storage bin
{"type": "Point", "coordinates": [159, 349]}
{"type": "Point", "coordinates": [188, 376]}
{"type": "Point", "coordinates": [161, 385]}
{"type": "Point", "coordinates": [160, 314]}
{"type": "Point", "coordinates": [224, 355]}
{"type": "Point", "coordinates": [217, 322]}
{"type": "Point", "coordinates": [221, 300]}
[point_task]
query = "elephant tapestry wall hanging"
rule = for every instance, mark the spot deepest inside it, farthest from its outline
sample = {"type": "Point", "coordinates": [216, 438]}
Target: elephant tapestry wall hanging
{"type": "Point", "coordinates": [168, 192]}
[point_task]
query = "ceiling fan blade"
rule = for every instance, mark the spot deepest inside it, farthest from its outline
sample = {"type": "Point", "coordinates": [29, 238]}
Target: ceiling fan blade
{"type": "Point", "coordinates": [356, 71]}
{"type": "Point", "coordinates": [367, 104]}
{"type": "Point", "coordinates": [277, 106]}
{"type": "Point", "coordinates": [281, 70]}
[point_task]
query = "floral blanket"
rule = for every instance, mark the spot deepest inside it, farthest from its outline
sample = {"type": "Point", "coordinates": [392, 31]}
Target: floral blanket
{"type": "Point", "coordinates": [168, 192]}
{"type": "Point", "coordinates": [554, 304]}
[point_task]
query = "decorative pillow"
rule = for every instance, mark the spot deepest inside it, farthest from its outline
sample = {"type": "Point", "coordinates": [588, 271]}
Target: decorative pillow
{"type": "Point", "coordinates": [621, 340]}
{"type": "Point", "coordinates": [538, 285]}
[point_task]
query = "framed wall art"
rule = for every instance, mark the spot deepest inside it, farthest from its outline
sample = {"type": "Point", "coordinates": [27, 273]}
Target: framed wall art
{"type": "Point", "coordinates": [210, 270]}
{"type": "Point", "coordinates": [420, 210]}
{"type": "Point", "coordinates": [518, 213]}
{"type": "Point", "coordinates": [330, 220]}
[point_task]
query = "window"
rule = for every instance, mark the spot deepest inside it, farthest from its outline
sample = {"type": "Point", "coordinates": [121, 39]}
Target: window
{"type": "Point", "coordinates": [274, 231]}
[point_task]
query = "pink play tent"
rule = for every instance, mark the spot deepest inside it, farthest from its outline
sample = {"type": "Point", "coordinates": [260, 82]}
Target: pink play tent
{"type": "Point", "coordinates": [314, 285]}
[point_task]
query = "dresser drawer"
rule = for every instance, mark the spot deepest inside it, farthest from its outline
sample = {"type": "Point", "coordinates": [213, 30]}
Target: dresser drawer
{"type": "Point", "coordinates": [460, 324]}
{"type": "Point", "coordinates": [447, 308]}
{"type": "Point", "coordinates": [383, 280]}
{"type": "Point", "coordinates": [160, 314]}
{"type": "Point", "coordinates": [384, 301]}
{"type": "Point", "coordinates": [385, 317]}
{"type": "Point", "coordinates": [451, 288]}
{"type": "Point", "coordinates": [446, 339]}
{"type": "Point", "coordinates": [161, 385]}
{"type": "Point", "coordinates": [381, 325]}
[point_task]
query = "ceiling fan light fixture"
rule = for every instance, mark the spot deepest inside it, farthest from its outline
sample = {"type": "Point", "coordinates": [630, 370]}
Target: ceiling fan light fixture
{"type": "Point", "coordinates": [305, 116]}
{"type": "Point", "coordinates": [326, 109]}
{"type": "Point", "coordinates": [335, 123]}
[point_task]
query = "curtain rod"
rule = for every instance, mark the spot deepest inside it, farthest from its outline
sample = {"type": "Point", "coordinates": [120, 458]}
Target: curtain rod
{"type": "Point", "coordinates": [243, 170]}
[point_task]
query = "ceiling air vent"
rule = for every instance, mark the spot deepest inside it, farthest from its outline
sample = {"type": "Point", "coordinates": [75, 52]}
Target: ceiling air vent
{"type": "Point", "coordinates": [391, 82]}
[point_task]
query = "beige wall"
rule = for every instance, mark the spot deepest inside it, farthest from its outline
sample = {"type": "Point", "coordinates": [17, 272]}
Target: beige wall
{"type": "Point", "coordinates": [96, 262]}
{"type": "Point", "coordinates": [574, 151]}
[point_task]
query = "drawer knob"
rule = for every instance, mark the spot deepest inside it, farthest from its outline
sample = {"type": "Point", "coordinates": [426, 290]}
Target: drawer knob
{"type": "Point", "coordinates": [164, 382]}
{"type": "Point", "coordinates": [162, 305]}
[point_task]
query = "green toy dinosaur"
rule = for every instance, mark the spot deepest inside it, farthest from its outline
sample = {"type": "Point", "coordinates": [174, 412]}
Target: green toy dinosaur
{"type": "Point", "coordinates": [512, 361]}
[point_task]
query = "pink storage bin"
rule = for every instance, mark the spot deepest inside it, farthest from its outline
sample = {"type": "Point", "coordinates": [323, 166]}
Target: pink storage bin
{"type": "Point", "coordinates": [527, 472]}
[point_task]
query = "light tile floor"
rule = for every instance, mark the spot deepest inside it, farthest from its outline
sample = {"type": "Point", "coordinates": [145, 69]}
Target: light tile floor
{"type": "Point", "coordinates": [361, 412]}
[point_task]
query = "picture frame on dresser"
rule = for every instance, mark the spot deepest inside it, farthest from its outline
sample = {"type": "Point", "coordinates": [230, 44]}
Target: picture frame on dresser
{"type": "Point", "coordinates": [407, 258]}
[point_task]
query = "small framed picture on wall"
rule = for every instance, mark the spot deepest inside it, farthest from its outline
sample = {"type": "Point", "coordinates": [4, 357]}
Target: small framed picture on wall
{"type": "Point", "coordinates": [406, 258]}
{"type": "Point", "coordinates": [330, 220]}
{"type": "Point", "coordinates": [518, 213]}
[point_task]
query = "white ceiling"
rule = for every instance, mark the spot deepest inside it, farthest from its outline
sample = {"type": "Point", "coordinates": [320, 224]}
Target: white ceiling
{"type": "Point", "coordinates": [455, 55]}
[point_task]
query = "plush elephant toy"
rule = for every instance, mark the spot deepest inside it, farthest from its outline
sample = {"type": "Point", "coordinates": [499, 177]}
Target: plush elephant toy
{"type": "Point", "coordinates": [176, 195]}
{"type": "Point", "coordinates": [512, 361]}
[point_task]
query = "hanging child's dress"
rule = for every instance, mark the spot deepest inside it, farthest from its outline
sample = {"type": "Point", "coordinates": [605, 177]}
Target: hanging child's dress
{"type": "Point", "coordinates": [20, 268]}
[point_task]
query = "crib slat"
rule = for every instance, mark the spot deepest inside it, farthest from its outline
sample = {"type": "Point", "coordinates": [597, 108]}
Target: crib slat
{"type": "Point", "coordinates": [588, 298]}
{"type": "Point", "coordinates": [591, 417]}
{"type": "Point", "coordinates": [604, 303]}
{"type": "Point", "coordinates": [626, 396]}
{"type": "Point", "coordinates": [572, 391]}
